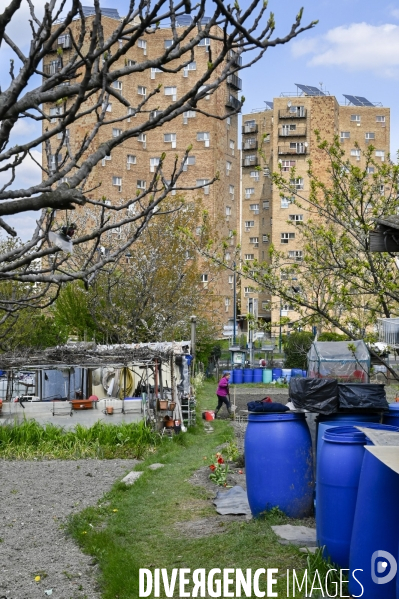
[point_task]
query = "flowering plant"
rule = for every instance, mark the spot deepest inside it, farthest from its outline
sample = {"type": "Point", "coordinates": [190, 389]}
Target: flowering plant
{"type": "Point", "coordinates": [219, 471]}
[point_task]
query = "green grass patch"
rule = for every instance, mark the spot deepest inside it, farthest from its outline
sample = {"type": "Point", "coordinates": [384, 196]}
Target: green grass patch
{"type": "Point", "coordinates": [143, 526]}
{"type": "Point", "coordinates": [31, 440]}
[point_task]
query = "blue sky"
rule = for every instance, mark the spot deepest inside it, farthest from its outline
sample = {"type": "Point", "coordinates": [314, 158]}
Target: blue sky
{"type": "Point", "coordinates": [353, 50]}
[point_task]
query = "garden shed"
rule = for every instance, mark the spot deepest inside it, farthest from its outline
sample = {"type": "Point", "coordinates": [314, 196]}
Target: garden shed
{"type": "Point", "coordinates": [346, 361]}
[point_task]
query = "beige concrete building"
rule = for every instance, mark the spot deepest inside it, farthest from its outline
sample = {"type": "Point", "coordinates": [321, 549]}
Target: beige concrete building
{"type": "Point", "coordinates": [285, 133]}
{"type": "Point", "coordinates": [132, 164]}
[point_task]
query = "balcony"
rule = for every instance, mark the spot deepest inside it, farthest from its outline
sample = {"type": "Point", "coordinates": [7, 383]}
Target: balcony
{"type": "Point", "coordinates": [234, 81]}
{"type": "Point", "coordinates": [246, 162]}
{"type": "Point", "coordinates": [250, 129]}
{"type": "Point", "coordinates": [52, 68]}
{"type": "Point", "coordinates": [297, 114]}
{"type": "Point", "coordinates": [233, 102]}
{"type": "Point", "coordinates": [250, 145]}
{"type": "Point", "coordinates": [292, 148]}
{"type": "Point", "coordinates": [63, 41]}
{"type": "Point", "coordinates": [237, 60]}
{"type": "Point", "coordinates": [299, 131]}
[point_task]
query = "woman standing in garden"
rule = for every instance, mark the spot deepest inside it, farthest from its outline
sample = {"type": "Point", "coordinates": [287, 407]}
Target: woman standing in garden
{"type": "Point", "coordinates": [223, 393]}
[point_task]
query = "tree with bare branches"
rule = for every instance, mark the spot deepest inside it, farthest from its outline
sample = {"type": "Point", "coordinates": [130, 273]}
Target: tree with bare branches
{"type": "Point", "coordinates": [73, 64]}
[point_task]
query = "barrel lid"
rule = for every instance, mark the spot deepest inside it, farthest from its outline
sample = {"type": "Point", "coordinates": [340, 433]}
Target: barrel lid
{"type": "Point", "coordinates": [274, 416]}
{"type": "Point", "coordinates": [344, 434]}
{"type": "Point", "coordinates": [394, 406]}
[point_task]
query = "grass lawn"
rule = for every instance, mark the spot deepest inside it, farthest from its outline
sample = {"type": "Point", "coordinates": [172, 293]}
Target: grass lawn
{"type": "Point", "coordinates": [138, 526]}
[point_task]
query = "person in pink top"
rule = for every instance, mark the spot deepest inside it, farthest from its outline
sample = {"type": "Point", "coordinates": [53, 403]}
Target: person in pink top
{"type": "Point", "coordinates": [223, 393]}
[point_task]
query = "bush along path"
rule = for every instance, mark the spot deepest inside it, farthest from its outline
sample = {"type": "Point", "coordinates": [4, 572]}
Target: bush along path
{"type": "Point", "coordinates": [165, 521]}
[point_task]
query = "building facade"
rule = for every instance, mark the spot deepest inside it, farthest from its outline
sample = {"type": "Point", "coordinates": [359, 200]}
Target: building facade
{"type": "Point", "coordinates": [131, 165]}
{"type": "Point", "coordinates": [284, 131]}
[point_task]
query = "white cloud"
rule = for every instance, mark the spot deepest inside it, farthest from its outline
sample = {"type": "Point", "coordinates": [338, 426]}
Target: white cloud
{"type": "Point", "coordinates": [395, 13]}
{"type": "Point", "coordinates": [356, 47]}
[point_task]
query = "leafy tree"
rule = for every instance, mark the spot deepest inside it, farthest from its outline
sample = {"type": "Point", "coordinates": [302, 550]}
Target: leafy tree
{"type": "Point", "coordinates": [296, 347]}
{"type": "Point", "coordinates": [80, 82]}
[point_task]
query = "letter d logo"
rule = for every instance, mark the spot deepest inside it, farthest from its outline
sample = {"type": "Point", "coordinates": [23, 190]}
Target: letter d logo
{"type": "Point", "coordinates": [379, 567]}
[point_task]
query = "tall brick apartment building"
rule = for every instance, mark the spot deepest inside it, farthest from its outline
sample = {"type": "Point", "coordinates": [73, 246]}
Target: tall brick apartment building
{"type": "Point", "coordinates": [214, 142]}
{"type": "Point", "coordinates": [285, 131]}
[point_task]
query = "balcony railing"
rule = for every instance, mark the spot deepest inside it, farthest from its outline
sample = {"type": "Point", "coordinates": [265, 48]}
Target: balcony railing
{"type": "Point", "coordinates": [233, 102]}
{"type": "Point", "coordinates": [293, 149]}
{"type": "Point", "coordinates": [250, 129]}
{"type": "Point", "coordinates": [252, 163]}
{"type": "Point", "coordinates": [297, 114]}
{"type": "Point", "coordinates": [52, 68]}
{"type": "Point", "coordinates": [237, 60]}
{"type": "Point", "coordinates": [63, 41]}
{"type": "Point", "coordinates": [287, 132]}
{"type": "Point", "coordinates": [250, 146]}
{"type": "Point", "coordinates": [234, 81]}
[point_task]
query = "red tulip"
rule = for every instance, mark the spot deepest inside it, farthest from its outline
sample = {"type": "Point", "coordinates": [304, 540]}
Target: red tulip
{"type": "Point", "coordinates": [212, 467]}
{"type": "Point", "coordinates": [220, 460]}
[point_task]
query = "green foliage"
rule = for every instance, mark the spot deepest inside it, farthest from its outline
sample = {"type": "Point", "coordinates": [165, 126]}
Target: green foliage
{"type": "Point", "coordinates": [327, 336]}
{"type": "Point", "coordinates": [296, 347]}
{"type": "Point", "coordinates": [317, 562]}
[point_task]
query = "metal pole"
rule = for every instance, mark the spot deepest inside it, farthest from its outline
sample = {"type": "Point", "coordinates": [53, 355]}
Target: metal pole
{"type": "Point", "coordinates": [193, 341]}
{"type": "Point", "coordinates": [279, 337]}
{"type": "Point", "coordinates": [234, 304]}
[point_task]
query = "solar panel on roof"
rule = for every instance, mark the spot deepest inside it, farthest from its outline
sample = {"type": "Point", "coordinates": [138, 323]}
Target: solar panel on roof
{"type": "Point", "coordinates": [269, 104]}
{"type": "Point", "coordinates": [88, 11]}
{"type": "Point", "coordinates": [184, 20]}
{"type": "Point", "coordinates": [205, 20]}
{"type": "Point", "coordinates": [309, 90]}
{"type": "Point", "coordinates": [358, 100]}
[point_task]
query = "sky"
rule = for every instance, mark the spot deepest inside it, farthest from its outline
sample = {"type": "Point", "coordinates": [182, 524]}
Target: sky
{"type": "Point", "coordinates": [354, 49]}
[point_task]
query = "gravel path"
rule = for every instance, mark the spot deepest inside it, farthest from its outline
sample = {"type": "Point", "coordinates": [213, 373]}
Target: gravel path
{"type": "Point", "coordinates": [35, 499]}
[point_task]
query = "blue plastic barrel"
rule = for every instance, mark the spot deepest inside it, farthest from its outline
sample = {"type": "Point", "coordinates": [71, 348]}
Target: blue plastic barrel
{"type": "Point", "coordinates": [339, 419]}
{"type": "Point", "coordinates": [337, 486]}
{"type": "Point", "coordinates": [296, 372]}
{"type": "Point", "coordinates": [248, 375]}
{"type": "Point", "coordinates": [237, 376]}
{"type": "Point", "coordinates": [304, 373]}
{"type": "Point", "coordinates": [277, 373]}
{"type": "Point", "coordinates": [258, 375]}
{"type": "Point", "coordinates": [278, 463]}
{"type": "Point", "coordinates": [267, 375]}
{"type": "Point", "coordinates": [392, 416]}
{"type": "Point", "coordinates": [375, 528]}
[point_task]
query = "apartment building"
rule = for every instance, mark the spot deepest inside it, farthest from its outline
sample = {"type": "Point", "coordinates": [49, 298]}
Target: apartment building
{"type": "Point", "coordinates": [284, 131]}
{"type": "Point", "coordinates": [131, 165]}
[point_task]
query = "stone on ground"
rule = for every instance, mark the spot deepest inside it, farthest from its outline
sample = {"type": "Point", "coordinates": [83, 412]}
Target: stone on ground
{"type": "Point", "coordinates": [131, 478]}
{"type": "Point", "coordinates": [296, 535]}
{"type": "Point", "coordinates": [155, 466]}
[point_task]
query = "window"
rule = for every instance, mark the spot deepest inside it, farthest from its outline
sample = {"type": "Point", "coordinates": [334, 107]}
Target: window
{"type": "Point", "coordinates": [204, 183]}
{"type": "Point", "coordinates": [227, 303]}
{"type": "Point", "coordinates": [64, 41]}
{"type": "Point", "coordinates": [228, 210]}
{"type": "Point", "coordinates": [131, 112]}
{"type": "Point", "coordinates": [191, 66]}
{"type": "Point", "coordinates": [130, 159]}
{"type": "Point", "coordinates": [117, 181]}
{"type": "Point", "coordinates": [249, 224]}
{"type": "Point", "coordinates": [142, 44]}
{"type": "Point", "coordinates": [380, 154]}
{"type": "Point", "coordinates": [170, 138]}
{"type": "Point", "coordinates": [369, 135]}
{"type": "Point", "coordinates": [154, 162]}
{"type": "Point", "coordinates": [345, 135]}
{"type": "Point", "coordinates": [286, 165]}
{"type": "Point", "coordinates": [298, 110]}
{"type": "Point", "coordinates": [130, 63]}
{"type": "Point", "coordinates": [254, 175]}
{"type": "Point", "coordinates": [249, 126]}
{"type": "Point", "coordinates": [266, 205]}
{"type": "Point", "coordinates": [171, 91]}
{"type": "Point", "coordinates": [231, 279]}
{"type": "Point", "coordinates": [285, 237]}
{"type": "Point", "coordinates": [228, 167]}
{"type": "Point", "coordinates": [254, 240]}
{"type": "Point", "coordinates": [54, 66]}
{"type": "Point", "coordinates": [248, 290]}
{"type": "Point", "coordinates": [204, 278]}
{"type": "Point", "coordinates": [265, 305]}
{"type": "Point", "coordinates": [116, 132]}
{"type": "Point", "coordinates": [249, 256]}
{"type": "Point", "coordinates": [382, 189]}
{"type": "Point", "coordinates": [355, 152]}
{"type": "Point", "coordinates": [189, 161]}
{"type": "Point", "coordinates": [286, 202]}
{"type": "Point", "coordinates": [232, 146]}
{"type": "Point", "coordinates": [298, 146]}
{"type": "Point", "coordinates": [286, 129]}
{"type": "Point", "coordinates": [380, 119]}
{"type": "Point", "coordinates": [141, 184]}
{"type": "Point", "coordinates": [249, 159]}
{"type": "Point", "coordinates": [141, 90]}
{"type": "Point", "coordinates": [64, 135]}
{"type": "Point", "coordinates": [142, 138]}
{"type": "Point", "coordinates": [370, 170]}
{"type": "Point", "coordinates": [106, 106]}
{"type": "Point", "coordinates": [297, 183]}
{"type": "Point", "coordinates": [355, 118]}
{"type": "Point", "coordinates": [228, 121]}
{"type": "Point", "coordinates": [154, 114]}
{"type": "Point", "coordinates": [55, 112]}
{"type": "Point", "coordinates": [190, 114]}
{"type": "Point", "coordinates": [296, 218]}
{"type": "Point", "coordinates": [108, 157]}
{"type": "Point", "coordinates": [205, 42]}
{"type": "Point", "coordinates": [249, 143]}
{"type": "Point", "coordinates": [120, 43]}
{"type": "Point", "coordinates": [249, 191]}
{"type": "Point", "coordinates": [231, 191]}
{"type": "Point", "coordinates": [204, 88]}
{"type": "Point", "coordinates": [55, 160]}
{"type": "Point", "coordinates": [254, 207]}
{"type": "Point", "coordinates": [296, 255]}
{"type": "Point", "coordinates": [168, 43]}
{"type": "Point", "coordinates": [265, 238]}
{"type": "Point", "coordinates": [117, 85]}
{"type": "Point", "coordinates": [205, 137]}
